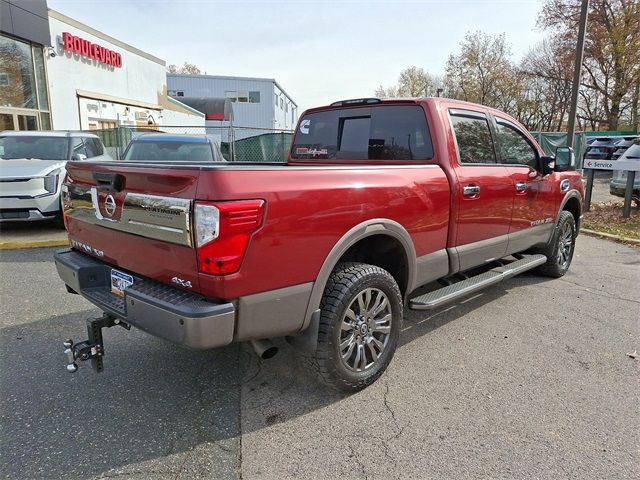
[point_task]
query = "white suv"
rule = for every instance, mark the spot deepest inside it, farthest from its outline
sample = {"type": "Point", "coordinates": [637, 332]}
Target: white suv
{"type": "Point", "coordinates": [32, 170]}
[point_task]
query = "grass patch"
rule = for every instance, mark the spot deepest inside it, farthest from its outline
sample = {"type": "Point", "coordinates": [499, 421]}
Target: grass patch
{"type": "Point", "coordinates": [607, 218]}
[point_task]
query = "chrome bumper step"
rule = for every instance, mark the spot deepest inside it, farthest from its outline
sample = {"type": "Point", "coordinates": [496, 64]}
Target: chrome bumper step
{"type": "Point", "coordinates": [470, 285]}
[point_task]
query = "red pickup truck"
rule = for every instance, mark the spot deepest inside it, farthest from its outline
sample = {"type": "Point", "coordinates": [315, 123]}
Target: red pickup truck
{"type": "Point", "coordinates": [377, 199]}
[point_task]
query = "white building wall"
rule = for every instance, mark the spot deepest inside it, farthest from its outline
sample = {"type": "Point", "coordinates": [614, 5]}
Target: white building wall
{"type": "Point", "coordinates": [188, 120]}
{"type": "Point", "coordinates": [262, 115]}
{"type": "Point", "coordinates": [128, 95]}
{"type": "Point", "coordinates": [285, 112]}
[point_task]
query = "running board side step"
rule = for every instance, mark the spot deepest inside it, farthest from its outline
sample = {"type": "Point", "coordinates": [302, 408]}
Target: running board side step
{"type": "Point", "coordinates": [470, 285]}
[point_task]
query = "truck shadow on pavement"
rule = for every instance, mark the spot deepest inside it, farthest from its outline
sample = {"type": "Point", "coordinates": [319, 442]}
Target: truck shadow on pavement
{"type": "Point", "coordinates": [155, 402]}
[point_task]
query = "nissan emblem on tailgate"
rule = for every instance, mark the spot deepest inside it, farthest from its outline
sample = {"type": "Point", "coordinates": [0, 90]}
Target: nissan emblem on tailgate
{"type": "Point", "coordinates": [109, 205]}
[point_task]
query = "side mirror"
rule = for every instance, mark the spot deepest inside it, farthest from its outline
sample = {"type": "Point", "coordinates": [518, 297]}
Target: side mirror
{"type": "Point", "coordinates": [547, 165]}
{"type": "Point", "coordinates": [565, 159]}
{"type": "Point", "coordinates": [79, 157]}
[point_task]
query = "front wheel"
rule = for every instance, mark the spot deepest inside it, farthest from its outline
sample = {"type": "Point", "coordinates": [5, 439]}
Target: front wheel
{"type": "Point", "coordinates": [560, 250]}
{"type": "Point", "coordinates": [58, 220]}
{"type": "Point", "coordinates": [360, 321]}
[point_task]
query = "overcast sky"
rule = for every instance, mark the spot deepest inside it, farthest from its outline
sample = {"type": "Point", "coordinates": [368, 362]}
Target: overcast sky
{"type": "Point", "coordinates": [319, 51]}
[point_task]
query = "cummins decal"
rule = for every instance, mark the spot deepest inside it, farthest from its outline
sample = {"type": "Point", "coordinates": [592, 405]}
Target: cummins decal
{"type": "Point", "coordinates": [85, 48]}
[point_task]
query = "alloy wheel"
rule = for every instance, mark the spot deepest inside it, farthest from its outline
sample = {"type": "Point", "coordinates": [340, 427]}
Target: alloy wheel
{"type": "Point", "coordinates": [565, 245]}
{"type": "Point", "coordinates": [365, 329]}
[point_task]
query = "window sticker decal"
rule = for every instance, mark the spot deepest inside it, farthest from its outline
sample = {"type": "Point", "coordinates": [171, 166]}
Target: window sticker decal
{"type": "Point", "coordinates": [311, 151]}
{"type": "Point", "coordinates": [304, 126]}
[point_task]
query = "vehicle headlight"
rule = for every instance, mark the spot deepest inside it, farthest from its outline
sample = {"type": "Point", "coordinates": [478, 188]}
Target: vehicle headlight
{"type": "Point", "coordinates": [51, 181]}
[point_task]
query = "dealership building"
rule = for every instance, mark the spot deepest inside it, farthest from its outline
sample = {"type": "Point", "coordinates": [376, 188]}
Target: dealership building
{"type": "Point", "coordinates": [58, 73]}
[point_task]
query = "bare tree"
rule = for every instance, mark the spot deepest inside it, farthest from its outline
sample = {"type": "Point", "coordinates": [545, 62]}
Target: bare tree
{"type": "Point", "coordinates": [612, 49]}
{"type": "Point", "coordinates": [387, 92]}
{"type": "Point", "coordinates": [548, 68]}
{"type": "Point", "coordinates": [187, 68]}
{"type": "Point", "coordinates": [412, 82]}
{"type": "Point", "coordinates": [482, 72]}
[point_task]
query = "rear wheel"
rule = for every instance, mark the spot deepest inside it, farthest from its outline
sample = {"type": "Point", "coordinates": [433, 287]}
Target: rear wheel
{"type": "Point", "coordinates": [560, 250]}
{"type": "Point", "coordinates": [360, 321]}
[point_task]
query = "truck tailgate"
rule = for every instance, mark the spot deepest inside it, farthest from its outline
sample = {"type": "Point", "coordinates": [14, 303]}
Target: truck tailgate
{"type": "Point", "coordinates": [134, 218]}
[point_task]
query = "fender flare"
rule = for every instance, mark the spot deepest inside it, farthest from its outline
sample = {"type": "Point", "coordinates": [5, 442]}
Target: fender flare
{"type": "Point", "coordinates": [375, 226]}
{"type": "Point", "coordinates": [568, 196]}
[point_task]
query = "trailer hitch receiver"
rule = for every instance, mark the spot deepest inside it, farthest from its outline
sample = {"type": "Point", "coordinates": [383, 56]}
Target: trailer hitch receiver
{"type": "Point", "coordinates": [92, 348]}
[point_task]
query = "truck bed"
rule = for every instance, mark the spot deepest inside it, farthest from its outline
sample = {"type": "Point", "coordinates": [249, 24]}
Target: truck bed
{"type": "Point", "coordinates": [308, 209]}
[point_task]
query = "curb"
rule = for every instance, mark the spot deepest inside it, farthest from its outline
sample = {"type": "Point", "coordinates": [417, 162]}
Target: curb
{"type": "Point", "coordinates": [33, 244]}
{"type": "Point", "coordinates": [610, 236]}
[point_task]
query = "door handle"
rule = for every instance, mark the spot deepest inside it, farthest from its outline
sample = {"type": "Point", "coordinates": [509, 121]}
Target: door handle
{"type": "Point", "coordinates": [470, 190]}
{"type": "Point", "coordinates": [521, 187]}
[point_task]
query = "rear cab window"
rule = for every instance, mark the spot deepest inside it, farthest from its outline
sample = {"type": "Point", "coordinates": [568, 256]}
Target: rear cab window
{"type": "Point", "coordinates": [384, 132]}
{"type": "Point", "coordinates": [169, 151]}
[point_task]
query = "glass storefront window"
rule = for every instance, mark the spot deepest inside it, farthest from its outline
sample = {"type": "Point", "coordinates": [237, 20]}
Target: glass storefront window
{"type": "Point", "coordinates": [24, 99]}
{"type": "Point", "coordinates": [27, 122]}
{"type": "Point", "coordinates": [45, 121]}
{"type": "Point", "coordinates": [6, 121]}
{"type": "Point", "coordinates": [17, 64]}
{"type": "Point", "coordinates": [41, 79]}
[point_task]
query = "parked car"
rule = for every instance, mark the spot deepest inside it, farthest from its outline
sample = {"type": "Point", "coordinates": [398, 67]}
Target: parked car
{"type": "Point", "coordinates": [32, 167]}
{"type": "Point", "coordinates": [602, 148]}
{"type": "Point", "coordinates": [165, 147]}
{"type": "Point", "coordinates": [622, 145]}
{"type": "Point", "coordinates": [377, 199]}
{"type": "Point", "coordinates": [618, 183]}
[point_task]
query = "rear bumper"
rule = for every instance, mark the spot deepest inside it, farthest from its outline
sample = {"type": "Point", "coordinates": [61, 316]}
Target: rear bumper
{"type": "Point", "coordinates": [175, 315]}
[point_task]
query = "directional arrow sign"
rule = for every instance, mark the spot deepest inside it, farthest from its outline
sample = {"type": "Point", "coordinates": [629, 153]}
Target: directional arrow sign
{"type": "Point", "coordinates": [628, 165]}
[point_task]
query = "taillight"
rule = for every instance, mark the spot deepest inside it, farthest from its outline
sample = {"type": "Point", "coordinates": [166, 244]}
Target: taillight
{"type": "Point", "coordinates": [222, 232]}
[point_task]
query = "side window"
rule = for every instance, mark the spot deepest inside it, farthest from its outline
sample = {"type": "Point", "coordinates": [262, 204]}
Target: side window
{"type": "Point", "coordinates": [99, 148]}
{"type": "Point", "coordinates": [473, 137]}
{"type": "Point", "coordinates": [78, 147]}
{"type": "Point", "coordinates": [515, 148]}
{"type": "Point", "coordinates": [254, 97]}
{"type": "Point", "coordinates": [93, 147]}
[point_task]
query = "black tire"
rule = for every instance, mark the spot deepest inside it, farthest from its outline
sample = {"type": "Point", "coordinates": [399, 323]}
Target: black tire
{"type": "Point", "coordinates": [58, 220]}
{"type": "Point", "coordinates": [346, 328]}
{"type": "Point", "coordinates": [560, 249]}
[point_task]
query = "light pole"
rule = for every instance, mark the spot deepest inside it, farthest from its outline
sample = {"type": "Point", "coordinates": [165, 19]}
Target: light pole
{"type": "Point", "coordinates": [577, 70]}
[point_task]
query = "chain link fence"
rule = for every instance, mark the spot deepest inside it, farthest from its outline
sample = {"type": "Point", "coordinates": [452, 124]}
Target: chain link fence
{"type": "Point", "coordinates": [238, 144]}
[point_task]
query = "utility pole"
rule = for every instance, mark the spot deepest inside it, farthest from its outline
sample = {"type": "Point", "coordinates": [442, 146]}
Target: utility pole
{"type": "Point", "coordinates": [635, 111]}
{"type": "Point", "coordinates": [577, 70]}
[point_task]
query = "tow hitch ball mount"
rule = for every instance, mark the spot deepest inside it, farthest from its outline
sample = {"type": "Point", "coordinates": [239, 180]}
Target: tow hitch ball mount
{"type": "Point", "coordinates": [92, 348]}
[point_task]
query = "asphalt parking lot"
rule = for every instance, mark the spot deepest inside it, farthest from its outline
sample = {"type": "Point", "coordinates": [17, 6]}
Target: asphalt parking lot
{"type": "Point", "coordinates": [529, 379]}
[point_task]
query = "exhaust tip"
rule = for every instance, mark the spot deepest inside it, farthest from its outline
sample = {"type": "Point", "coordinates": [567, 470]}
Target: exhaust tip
{"type": "Point", "coordinates": [264, 348]}
{"type": "Point", "coordinates": [269, 353]}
